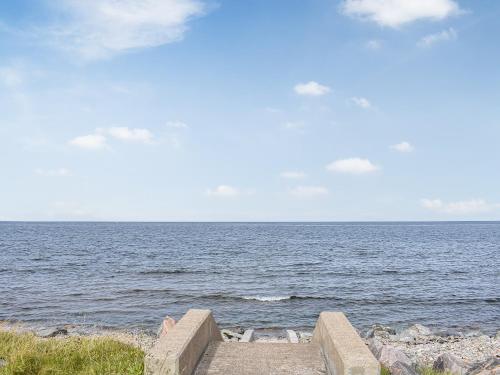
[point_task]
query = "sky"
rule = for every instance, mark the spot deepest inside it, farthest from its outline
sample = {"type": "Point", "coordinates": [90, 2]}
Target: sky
{"type": "Point", "coordinates": [263, 110]}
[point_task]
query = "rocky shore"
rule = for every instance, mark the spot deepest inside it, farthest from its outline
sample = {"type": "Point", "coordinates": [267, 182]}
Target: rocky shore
{"type": "Point", "coordinates": [413, 350]}
{"type": "Point", "coordinates": [417, 347]}
{"type": "Point", "coordinates": [407, 352]}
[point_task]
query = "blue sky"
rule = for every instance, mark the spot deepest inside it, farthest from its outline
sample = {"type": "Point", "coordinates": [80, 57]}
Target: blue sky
{"type": "Point", "coordinates": [261, 110]}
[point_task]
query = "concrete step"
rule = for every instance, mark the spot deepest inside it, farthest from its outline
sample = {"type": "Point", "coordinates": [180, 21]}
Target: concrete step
{"type": "Point", "coordinates": [227, 358]}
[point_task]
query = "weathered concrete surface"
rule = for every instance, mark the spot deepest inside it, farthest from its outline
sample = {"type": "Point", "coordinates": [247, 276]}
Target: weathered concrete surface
{"type": "Point", "coordinates": [179, 350]}
{"type": "Point", "coordinates": [223, 358]}
{"type": "Point", "coordinates": [247, 336]}
{"type": "Point", "coordinates": [344, 351]}
{"type": "Point", "coordinates": [292, 336]}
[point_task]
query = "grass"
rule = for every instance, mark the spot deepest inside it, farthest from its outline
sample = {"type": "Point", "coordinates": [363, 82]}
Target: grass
{"type": "Point", "coordinates": [421, 371]}
{"type": "Point", "coordinates": [27, 354]}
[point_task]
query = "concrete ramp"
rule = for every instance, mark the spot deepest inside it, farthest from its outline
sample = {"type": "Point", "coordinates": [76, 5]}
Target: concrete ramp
{"type": "Point", "coordinates": [222, 358]}
{"type": "Point", "coordinates": [194, 346]}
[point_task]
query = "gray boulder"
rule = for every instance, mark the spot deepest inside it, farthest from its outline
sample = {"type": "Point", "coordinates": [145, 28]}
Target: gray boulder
{"type": "Point", "coordinates": [230, 335]}
{"type": "Point", "coordinates": [400, 368]}
{"type": "Point", "coordinates": [375, 345]}
{"type": "Point", "coordinates": [52, 332]}
{"type": "Point", "coordinates": [380, 330]}
{"type": "Point", "coordinates": [389, 355]}
{"type": "Point", "coordinates": [488, 367]}
{"type": "Point", "coordinates": [415, 333]}
{"type": "Point", "coordinates": [3, 362]}
{"type": "Point", "coordinates": [449, 363]}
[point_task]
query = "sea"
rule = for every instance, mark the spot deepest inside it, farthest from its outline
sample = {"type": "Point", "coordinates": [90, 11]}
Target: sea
{"type": "Point", "coordinates": [252, 275]}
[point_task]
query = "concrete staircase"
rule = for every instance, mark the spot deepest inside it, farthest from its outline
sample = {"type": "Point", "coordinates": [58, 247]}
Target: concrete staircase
{"type": "Point", "coordinates": [194, 346]}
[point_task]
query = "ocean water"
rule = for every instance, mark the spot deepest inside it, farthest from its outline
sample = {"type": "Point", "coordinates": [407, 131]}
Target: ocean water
{"type": "Point", "coordinates": [129, 275]}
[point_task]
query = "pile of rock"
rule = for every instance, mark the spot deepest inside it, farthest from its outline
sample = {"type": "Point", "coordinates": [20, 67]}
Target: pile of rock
{"type": "Point", "coordinates": [418, 346]}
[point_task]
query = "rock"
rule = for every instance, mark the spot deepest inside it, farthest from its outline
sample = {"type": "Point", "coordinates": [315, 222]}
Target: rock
{"type": "Point", "coordinates": [375, 345]}
{"type": "Point", "coordinates": [389, 355]}
{"type": "Point", "coordinates": [52, 332]}
{"type": "Point", "coordinates": [449, 363]}
{"type": "Point", "coordinates": [451, 332]}
{"type": "Point", "coordinates": [380, 330]}
{"type": "Point", "coordinates": [473, 334]}
{"type": "Point", "coordinates": [488, 367]}
{"type": "Point", "coordinates": [400, 368]}
{"type": "Point", "coordinates": [305, 336]}
{"type": "Point", "coordinates": [247, 336]}
{"type": "Point", "coordinates": [3, 362]}
{"type": "Point", "coordinates": [230, 334]}
{"type": "Point", "coordinates": [292, 336]}
{"type": "Point", "coordinates": [417, 333]}
{"type": "Point", "coordinates": [421, 330]}
{"type": "Point", "coordinates": [167, 324]}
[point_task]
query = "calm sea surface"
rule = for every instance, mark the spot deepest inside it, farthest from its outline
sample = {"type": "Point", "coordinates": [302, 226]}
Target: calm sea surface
{"type": "Point", "coordinates": [129, 275]}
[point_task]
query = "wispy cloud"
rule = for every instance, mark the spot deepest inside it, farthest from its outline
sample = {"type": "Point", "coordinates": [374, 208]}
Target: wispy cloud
{"type": "Point", "coordinates": [96, 29]}
{"type": "Point", "coordinates": [131, 135]}
{"type": "Point", "coordinates": [293, 125]}
{"type": "Point", "coordinates": [89, 142]}
{"type": "Point", "coordinates": [394, 13]}
{"type": "Point", "coordinates": [361, 102]}
{"type": "Point", "coordinates": [292, 174]}
{"type": "Point", "coordinates": [472, 206]}
{"type": "Point", "coordinates": [308, 191]}
{"type": "Point", "coordinates": [403, 147]}
{"type": "Point", "coordinates": [311, 88]}
{"type": "Point", "coordinates": [99, 139]}
{"type": "Point", "coordinates": [352, 166]}
{"type": "Point", "coordinates": [374, 44]}
{"type": "Point", "coordinates": [224, 191]}
{"type": "Point", "coordinates": [443, 36]}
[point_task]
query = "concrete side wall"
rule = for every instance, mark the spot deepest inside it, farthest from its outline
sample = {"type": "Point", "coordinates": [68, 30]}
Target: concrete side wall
{"type": "Point", "coordinates": [178, 351]}
{"type": "Point", "coordinates": [344, 351]}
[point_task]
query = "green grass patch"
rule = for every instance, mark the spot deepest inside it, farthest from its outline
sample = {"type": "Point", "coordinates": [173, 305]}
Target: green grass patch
{"type": "Point", "coordinates": [27, 354]}
{"type": "Point", "coordinates": [421, 371]}
{"type": "Point", "coordinates": [431, 371]}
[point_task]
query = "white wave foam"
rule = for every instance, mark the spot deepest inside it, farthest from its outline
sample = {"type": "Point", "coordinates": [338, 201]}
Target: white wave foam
{"type": "Point", "coordinates": [267, 299]}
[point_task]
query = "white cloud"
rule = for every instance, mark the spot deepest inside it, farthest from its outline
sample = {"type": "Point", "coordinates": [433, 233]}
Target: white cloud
{"type": "Point", "coordinates": [308, 191]}
{"type": "Point", "coordinates": [311, 89]}
{"type": "Point", "coordinates": [59, 172]}
{"type": "Point", "coordinates": [403, 147]}
{"type": "Point", "coordinates": [472, 206]}
{"type": "Point", "coordinates": [131, 135]}
{"type": "Point", "coordinates": [394, 13]}
{"type": "Point", "coordinates": [352, 166]}
{"type": "Point", "coordinates": [443, 36]}
{"type": "Point", "coordinates": [177, 125]}
{"type": "Point", "coordinates": [292, 174]}
{"type": "Point", "coordinates": [374, 44]}
{"type": "Point", "coordinates": [89, 142]}
{"type": "Point", "coordinates": [361, 102]}
{"type": "Point", "coordinates": [224, 191]}
{"type": "Point", "coordinates": [98, 29]}
{"type": "Point", "coordinates": [11, 76]}
{"type": "Point", "coordinates": [99, 139]}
